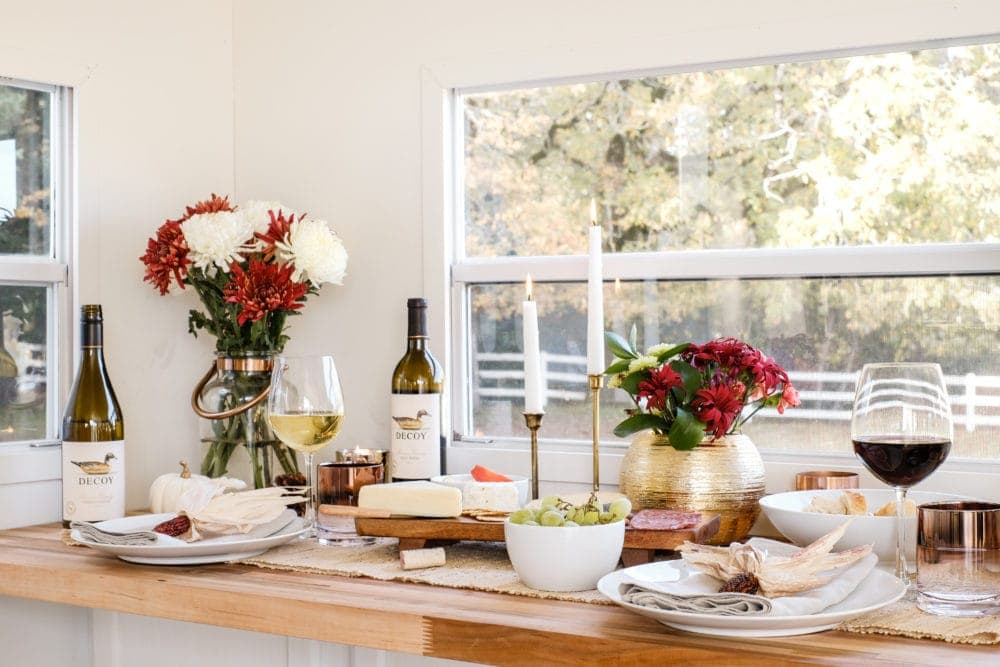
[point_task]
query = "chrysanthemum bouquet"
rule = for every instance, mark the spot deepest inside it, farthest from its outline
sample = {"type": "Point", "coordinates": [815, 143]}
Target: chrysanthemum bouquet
{"type": "Point", "coordinates": [688, 391]}
{"type": "Point", "coordinates": [251, 266]}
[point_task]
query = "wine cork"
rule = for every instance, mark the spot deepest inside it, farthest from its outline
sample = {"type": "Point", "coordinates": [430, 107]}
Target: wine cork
{"type": "Point", "coordinates": [415, 559]}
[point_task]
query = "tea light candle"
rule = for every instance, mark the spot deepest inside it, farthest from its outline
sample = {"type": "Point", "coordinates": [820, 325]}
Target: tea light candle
{"type": "Point", "coordinates": [534, 402]}
{"type": "Point", "coordinates": [340, 480]}
{"type": "Point", "coordinates": [595, 298]}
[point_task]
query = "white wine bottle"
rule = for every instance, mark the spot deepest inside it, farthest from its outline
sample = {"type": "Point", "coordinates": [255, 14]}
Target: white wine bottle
{"type": "Point", "coordinates": [93, 434]}
{"type": "Point", "coordinates": [417, 449]}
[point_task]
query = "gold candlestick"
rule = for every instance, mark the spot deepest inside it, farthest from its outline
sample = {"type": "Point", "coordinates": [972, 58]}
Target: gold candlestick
{"type": "Point", "coordinates": [596, 382]}
{"type": "Point", "coordinates": [533, 420]}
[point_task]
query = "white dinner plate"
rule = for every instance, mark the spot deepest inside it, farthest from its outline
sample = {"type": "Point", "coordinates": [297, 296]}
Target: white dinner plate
{"type": "Point", "coordinates": [172, 551]}
{"type": "Point", "coordinates": [878, 589]}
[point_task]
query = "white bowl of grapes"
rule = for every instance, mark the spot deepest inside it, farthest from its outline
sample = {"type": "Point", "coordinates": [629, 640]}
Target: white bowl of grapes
{"type": "Point", "coordinates": [563, 547]}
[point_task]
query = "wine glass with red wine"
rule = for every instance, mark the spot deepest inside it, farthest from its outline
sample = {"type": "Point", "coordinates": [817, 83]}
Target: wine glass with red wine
{"type": "Point", "coordinates": [901, 429]}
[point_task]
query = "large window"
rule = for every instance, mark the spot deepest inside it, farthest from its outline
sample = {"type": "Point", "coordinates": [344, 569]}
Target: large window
{"type": "Point", "coordinates": [832, 212]}
{"type": "Point", "coordinates": [32, 259]}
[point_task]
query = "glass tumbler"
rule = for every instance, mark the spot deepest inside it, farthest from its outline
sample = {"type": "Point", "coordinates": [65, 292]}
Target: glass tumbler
{"type": "Point", "coordinates": [958, 558]}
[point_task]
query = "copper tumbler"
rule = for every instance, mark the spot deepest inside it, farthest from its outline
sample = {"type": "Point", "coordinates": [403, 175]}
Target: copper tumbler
{"type": "Point", "coordinates": [338, 483]}
{"type": "Point", "coordinates": [958, 558]}
{"type": "Point", "coordinates": [825, 479]}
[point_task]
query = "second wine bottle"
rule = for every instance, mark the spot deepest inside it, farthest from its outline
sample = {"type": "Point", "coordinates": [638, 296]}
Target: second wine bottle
{"type": "Point", "coordinates": [416, 450]}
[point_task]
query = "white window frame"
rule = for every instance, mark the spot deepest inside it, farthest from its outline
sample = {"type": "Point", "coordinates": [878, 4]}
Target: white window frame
{"type": "Point", "coordinates": [30, 470]}
{"type": "Point", "coordinates": [448, 273]}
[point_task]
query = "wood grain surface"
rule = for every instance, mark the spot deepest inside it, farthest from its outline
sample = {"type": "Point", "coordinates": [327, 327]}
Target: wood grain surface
{"type": "Point", "coordinates": [414, 618]}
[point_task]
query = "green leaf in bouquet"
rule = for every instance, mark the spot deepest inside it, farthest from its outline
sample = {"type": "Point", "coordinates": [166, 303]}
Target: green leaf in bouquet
{"type": "Point", "coordinates": [619, 366]}
{"type": "Point", "coordinates": [689, 376]}
{"type": "Point", "coordinates": [673, 351]}
{"type": "Point", "coordinates": [619, 346]}
{"type": "Point", "coordinates": [630, 382]}
{"type": "Point", "coordinates": [639, 422]}
{"type": "Point", "coordinates": [633, 335]}
{"type": "Point", "coordinates": [686, 431]}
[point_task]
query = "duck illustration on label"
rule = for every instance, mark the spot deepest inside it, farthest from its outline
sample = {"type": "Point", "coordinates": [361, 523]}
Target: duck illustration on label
{"type": "Point", "coordinates": [416, 436]}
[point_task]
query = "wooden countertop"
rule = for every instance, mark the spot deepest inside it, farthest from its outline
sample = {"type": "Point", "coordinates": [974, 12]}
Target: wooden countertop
{"type": "Point", "coordinates": [416, 618]}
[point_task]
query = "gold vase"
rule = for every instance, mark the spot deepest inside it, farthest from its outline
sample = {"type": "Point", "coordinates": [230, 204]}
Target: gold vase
{"type": "Point", "coordinates": [723, 476]}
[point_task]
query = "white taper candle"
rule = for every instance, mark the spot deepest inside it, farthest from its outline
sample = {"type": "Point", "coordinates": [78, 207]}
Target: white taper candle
{"type": "Point", "coordinates": [595, 299]}
{"type": "Point", "coordinates": [534, 401]}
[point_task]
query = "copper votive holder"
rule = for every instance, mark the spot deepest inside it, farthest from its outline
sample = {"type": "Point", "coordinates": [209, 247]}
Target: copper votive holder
{"type": "Point", "coordinates": [958, 558]}
{"type": "Point", "coordinates": [339, 482]}
{"type": "Point", "coordinates": [814, 480]}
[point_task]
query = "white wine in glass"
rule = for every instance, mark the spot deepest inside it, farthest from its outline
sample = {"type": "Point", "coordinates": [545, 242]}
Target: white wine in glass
{"type": "Point", "coordinates": [901, 428]}
{"type": "Point", "coordinates": [306, 409]}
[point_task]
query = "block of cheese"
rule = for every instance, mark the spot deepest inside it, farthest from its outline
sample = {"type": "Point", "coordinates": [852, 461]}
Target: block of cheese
{"type": "Point", "coordinates": [499, 496]}
{"type": "Point", "coordinates": [412, 499]}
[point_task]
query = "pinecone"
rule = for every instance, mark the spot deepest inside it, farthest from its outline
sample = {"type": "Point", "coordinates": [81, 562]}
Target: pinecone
{"type": "Point", "coordinates": [290, 479]}
{"type": "Point", "coordinates": [741, 583]}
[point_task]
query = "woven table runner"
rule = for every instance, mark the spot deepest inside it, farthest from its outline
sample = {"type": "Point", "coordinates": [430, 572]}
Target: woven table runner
{"type": "Point", "coordinates": [480, 566]}
{"type": "Point", "coordinates": [904, 619]}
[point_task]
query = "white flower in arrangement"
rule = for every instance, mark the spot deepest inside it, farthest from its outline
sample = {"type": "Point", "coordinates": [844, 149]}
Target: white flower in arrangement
{"type": "Point", "coordinates": [642, 363]}
{"type": "Point", "coordinates": [658, 349]}
{"type": "Point", "coordinates": [258, 213]}
{"type": "Point", "coordinates": [217, 239]}
{"type": "Point", "coordinates": [315, 251]}
{"type": "Point", "coordinates": [615, 381]}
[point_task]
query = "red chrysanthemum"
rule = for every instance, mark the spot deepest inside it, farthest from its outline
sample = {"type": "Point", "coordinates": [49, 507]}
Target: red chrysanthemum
{"type": "Point", "coordinates": [729, 356]}
{"type": "Point", "coordinates": [717, 406]}
{"type": "Point", "coordinates": [276, 231]}
{"type": "Point", "coordinates": [212, 205]}
{"type": "Point", "coordinates": [263, 288]}
{"type": "Point", "coordinates": [166, 256]}
{"type": "Point", "coordinates": [657, 388]}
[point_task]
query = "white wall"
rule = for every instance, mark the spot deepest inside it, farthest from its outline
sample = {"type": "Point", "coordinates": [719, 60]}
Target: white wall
{"type": "Point", "coordinates": [155, 130]}
{"type": "Point", "coordinates": [329, 119]}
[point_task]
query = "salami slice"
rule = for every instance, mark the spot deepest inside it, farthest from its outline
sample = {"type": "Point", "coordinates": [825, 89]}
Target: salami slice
{"type": "Point", "coordinates": [664, 520]}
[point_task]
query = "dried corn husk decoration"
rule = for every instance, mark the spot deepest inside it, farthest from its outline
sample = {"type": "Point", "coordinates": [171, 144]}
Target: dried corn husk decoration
{"type": "Point", "coordinates": [235, 513]}
{"type": "Point", "coordinates": [777, 575]}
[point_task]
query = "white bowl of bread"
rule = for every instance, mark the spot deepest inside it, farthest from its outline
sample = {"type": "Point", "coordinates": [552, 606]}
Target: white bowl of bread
{"type": "Point", "coordinates": [805, 516]}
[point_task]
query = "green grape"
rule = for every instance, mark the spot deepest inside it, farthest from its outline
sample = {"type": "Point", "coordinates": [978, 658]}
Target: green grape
{"type": "Point", "coordinates": [590, 518]}
{"type": "Point", "coordinates": [522, 516]}
{"type": "Point", "coordinates": [620, 508]}
{"type": "Point", "coordinates": [551, 518]}
{"type": "Point", "coordinates": [531, 523]}
{"type": "Point", "coordinates": [571, 524]}
{"type": "Point", "coordinates": [550, 501]}
{"type": "Point", "coordinates": [605, 517]}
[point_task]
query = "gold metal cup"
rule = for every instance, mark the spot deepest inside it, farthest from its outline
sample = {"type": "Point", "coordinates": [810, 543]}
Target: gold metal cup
{"type": "Point", "coordinates": [814, 480]}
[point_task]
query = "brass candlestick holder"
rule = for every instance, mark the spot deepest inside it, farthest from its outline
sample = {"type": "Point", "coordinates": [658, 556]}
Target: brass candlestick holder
{"type": "Point", "coordinates": [596, 382]}
{"type": "Point", "coordinates": [533, 420]}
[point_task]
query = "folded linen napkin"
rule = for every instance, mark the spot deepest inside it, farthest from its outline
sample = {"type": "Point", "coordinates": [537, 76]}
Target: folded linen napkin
{"type": "Point", "coordinates": [91, 533]}
{"type": "Point", "coordinates": [696, 592]}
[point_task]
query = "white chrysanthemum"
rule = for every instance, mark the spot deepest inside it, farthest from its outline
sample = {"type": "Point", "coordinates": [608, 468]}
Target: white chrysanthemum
{"type": "Point", "coordinates": [258, 213]}
{"type": "Point", "coordinates": [217, 239]}
{"type": "Point", "coordinates": [643, 363]}
{"type": "Point", "coordinates": [615, 381]}
{"type": "Point", "coordinates": [315, 252]}
{"type": "Point", "coordinates": [659, 348]}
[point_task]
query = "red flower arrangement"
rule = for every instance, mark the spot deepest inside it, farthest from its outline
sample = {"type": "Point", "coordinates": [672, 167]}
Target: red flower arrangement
{"type": "Point", "coordinates": [688, 391]}
{"type": "Point", "coordinates": [251, 266]}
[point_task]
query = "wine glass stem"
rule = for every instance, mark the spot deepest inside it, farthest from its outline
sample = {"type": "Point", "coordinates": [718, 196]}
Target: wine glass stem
{"type": "Point", "coordinates": [901, 570]}
{"type": "Point", "coordinates": [310, 514]}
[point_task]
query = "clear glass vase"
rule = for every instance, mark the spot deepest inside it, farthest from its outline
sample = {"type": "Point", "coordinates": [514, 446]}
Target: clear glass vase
{"type": "Point", "coordinates": [230, 400]}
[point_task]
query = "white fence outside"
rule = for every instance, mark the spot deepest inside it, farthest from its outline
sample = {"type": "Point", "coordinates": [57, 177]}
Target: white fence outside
{"type": "Point", "coordinates": [975, 399]}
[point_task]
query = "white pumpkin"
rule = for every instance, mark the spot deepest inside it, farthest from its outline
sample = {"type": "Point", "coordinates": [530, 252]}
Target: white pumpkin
{"type": "Point", "coordinates": [167, 489]}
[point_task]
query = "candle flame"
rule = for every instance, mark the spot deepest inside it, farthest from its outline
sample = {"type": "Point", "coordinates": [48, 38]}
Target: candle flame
{"type": "Point", "coordinates": [527, 287]}
{"type": "Point", "coordinates": [593, 211]}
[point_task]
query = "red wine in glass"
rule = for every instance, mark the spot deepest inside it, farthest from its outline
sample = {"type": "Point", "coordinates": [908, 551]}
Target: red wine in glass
{"type": "Point", "coordinates": [900, 460]}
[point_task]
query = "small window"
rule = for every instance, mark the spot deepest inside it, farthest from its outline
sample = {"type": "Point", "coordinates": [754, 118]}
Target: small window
{"type": "Point", "coordinates": [32, 265]}
{"type": "Point", "coordinates": [831, 212]}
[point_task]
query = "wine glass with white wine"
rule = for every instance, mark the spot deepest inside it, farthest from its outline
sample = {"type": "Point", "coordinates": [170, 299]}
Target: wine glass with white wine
{"type": "Point", "coordinates": [306, 410]}
{"type": "Point", "coordinates": [901, 428]}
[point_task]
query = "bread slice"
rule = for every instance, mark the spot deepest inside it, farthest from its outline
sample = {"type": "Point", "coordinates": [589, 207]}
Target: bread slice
{"type": "Point", "coordinates": [854, 502]}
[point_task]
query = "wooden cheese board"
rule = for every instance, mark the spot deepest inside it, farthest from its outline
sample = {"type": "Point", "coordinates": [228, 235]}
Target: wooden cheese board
{"type": "Point", "coordinates": [640, 545]}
